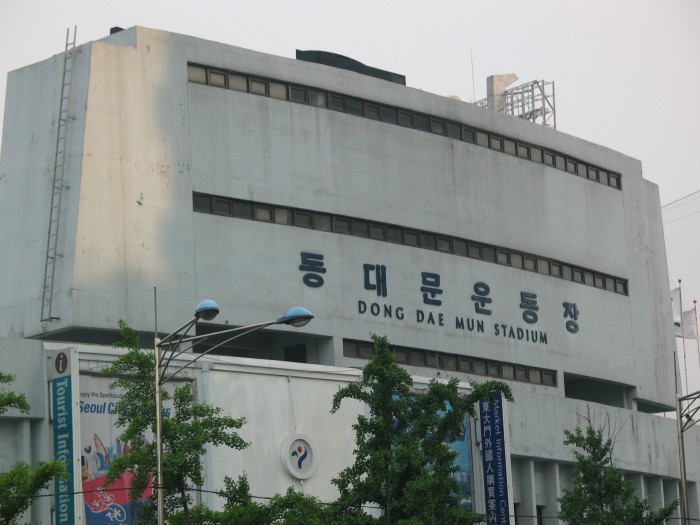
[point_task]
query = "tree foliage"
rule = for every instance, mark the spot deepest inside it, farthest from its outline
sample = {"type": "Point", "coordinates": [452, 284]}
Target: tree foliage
{"type": "Point", "coordinates": [600, 495]}
{"type": "Point", "coordinates": [402, 462]}
{"type": "Point", "coordinates": [292, 508]}
{"type": "Point", "coordinates": [186, 431]}
{"type": "Point", "coordinates": [20, 485]}
{"type": "Point", "coordinates": [10, 399]}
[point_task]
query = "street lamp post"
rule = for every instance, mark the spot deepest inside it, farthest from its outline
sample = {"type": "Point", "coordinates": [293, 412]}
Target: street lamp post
{"type": "Point", "coordinates": [206, 311]}
{"type": "Point", "coordinates": [685, 418]}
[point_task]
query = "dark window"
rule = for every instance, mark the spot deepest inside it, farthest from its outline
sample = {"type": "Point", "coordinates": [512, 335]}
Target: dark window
{"type": "Point", "coordinates": [422, 123]}
{"type": "Point", "coordinates": [621, 287]}
{"type": "Point", "coordinates": [338, 102]}
{"type": "Point", "coordinates": [303, 219]}
{"type": "Point", "coordinates": [196, 74]}
{"type": "Point", "coordinates": [439, 127]}
{"type": "Point", "coordinates": [360, 228]}
{"type": "Point", "coordinates": [593, 174]}
{"type": "Point", "coordinates": [571, 166]}
{"type": "Point", "coordinates": [610, 284]}
{"type": "Point", "coordinates": [217, 78]}
{"type": "Point", "coordinates": [489, 254]}
{"type": "Point", "coordinates": [258, 86]}
{"type": "Point", "coordinates": [509, 147]}
{"type": "Point", "coordinates": [298, 94]}
{"type": "Point", "coordinates": [521, 373]}
{"type": "Point", "coordinates": [549, 158]}
{"type": "Point", "coordinates": [401, 356]}
{"type": "Point", "coordinates": [475, 251]}
{"type": "Point", "coordinates": [567, 272]}
{"type": "Point", "coordinates": [466, 365]}
{"type": "Point", "coordinates": [535, 376]}
{"type": "Point", "coordinates": [549, 378]}
{"type": "Point", "coordinates": [283, 216]}
{"type": "Point", "coordinates": [615, 181]}
{"type": "Point", "coordinates": [468, 135]}
{"type": "Point", "coordinates": [523, 151]}
{"type": "Point", "coordinates": [444, 244]}
{"type": "Point", "coordinates": [389, 114]}
{"type": "Point", "coordinates": [431, 360]}
{"type": "Point", "coordinates": [454, 131]}
{"type": "Point", "coordinates": [238, 82]}
{"type": "Point", "coordinates": [377, 231]}
{"type": "Point", "coordinates": [427, 240]}
{"type": "Point", "coordinates": [371, 111]}
{"type": "Point", "coordinates": [201, 203]}
{"type": "Point", "coordinates": [494, 369]}
{"type": "Point", "coordinates": [530, 264]}
{"type": "Point", "coordinates": [502, 257]}
{"type": "Point", "coordinates": [366, 350]}
{"type": "Point", "coordinates": [599, 281]}
{"type": "Point", "coordinates": [342, 225]}
{"type": "Point", "coordinates": [295, 354]}
{"type": "Point", "coordinates": [394, 234]}
{"type": "Point", "coordinates": [355, 106]}
{"type": "Point", "coordinates": [349, 349]}
{"type": "Point", "coordinates": [461, 247]}
{"type": "Point", "coordinates": [322, 222]}
{"type": "Point", "coordinates": [317, 98]}
{"type": "Point", "coordinates": [536, 154]}
{"type": "Point", "coordinates": [278, 90]}
{"type": "Point", "coordinates": [449, 362]}
{"type": "Point", "coordinates": [556, 269]}
{"type": "Point", "coordinates": [516, 260]}
{"type": "Point", "coordinates": [410, 238]}
{"type": "Point", "coordinates": [417, 357]}
{"type": "Point", "coordinates": [263, 213]}
{"type": "Point", "coordinates": [497, 143]}
{"type": "Point", "coordinates": [242, 210]}
{"type": "Point", "coordinates": [406, 119]}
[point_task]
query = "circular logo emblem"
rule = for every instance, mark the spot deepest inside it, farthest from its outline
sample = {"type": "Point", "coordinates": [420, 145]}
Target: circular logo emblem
{"type": "Point", "coordinates": [298, 455]}
{"type": "Point", "coordinates": [61, 362]}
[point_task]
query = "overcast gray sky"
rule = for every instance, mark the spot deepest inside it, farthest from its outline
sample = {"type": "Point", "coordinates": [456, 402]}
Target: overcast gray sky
{"type": "Point", "coordinates": [626, 71]}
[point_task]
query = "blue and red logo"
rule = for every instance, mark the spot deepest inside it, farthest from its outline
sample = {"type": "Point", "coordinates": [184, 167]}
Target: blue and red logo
{"type": "Point", "coordinates": [301, 454]}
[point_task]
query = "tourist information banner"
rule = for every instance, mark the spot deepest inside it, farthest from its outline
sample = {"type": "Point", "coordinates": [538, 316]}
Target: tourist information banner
{"type": "Point", "coordinates": [62, 372]}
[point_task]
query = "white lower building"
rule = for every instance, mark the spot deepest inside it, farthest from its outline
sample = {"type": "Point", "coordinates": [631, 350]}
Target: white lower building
{"type": "Point", "coordinates": [482, 245]}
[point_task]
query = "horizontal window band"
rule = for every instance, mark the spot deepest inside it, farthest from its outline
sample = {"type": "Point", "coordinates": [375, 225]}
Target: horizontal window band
{"type": "Point", "coordinates": [455, 362]}
{"type": "Point", "coordinates": [390, 114]}
{"type": "Point", "coordinates": [391, 233]}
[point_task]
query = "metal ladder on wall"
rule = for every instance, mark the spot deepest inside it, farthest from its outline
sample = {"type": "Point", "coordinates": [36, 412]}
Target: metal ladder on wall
{"type": "Point", "coordinates": [57, 183]}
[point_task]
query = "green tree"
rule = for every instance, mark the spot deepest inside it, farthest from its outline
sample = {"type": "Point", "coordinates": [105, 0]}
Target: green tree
{"type": "Point", "coordinates": [402, 462]}
{"type": "Point", "coordinates": [20, 485]}
{"type": "Point", "coordinates": [186, 430]}
{"type": "Point", "coordinates": [600, 495]}
{"type": "Point", "coordinates": [292, 508]}
{"type": "Point", "coordinates": [9, 399]}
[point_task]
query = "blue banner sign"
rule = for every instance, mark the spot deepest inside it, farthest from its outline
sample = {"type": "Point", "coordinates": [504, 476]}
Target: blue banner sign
{"type": "Point", "coordinates": [63, 447]}
{"type": "Point", "coordinates": [495, 464]}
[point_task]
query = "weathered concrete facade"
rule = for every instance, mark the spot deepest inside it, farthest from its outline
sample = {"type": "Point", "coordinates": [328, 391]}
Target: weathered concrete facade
{"type": "Point", "coordinates": [165, 158]}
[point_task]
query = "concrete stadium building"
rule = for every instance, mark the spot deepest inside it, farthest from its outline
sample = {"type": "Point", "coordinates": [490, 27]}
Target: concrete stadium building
{"type": "Point", "coordinates": [484, 246]}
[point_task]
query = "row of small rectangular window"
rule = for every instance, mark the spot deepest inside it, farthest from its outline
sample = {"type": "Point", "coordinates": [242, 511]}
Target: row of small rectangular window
{"type": "Point", "coordinates": [458, 363]}
{"type": "Point", "coordinates": [406, 236]}
{"type": "Point", "coordinates": [402, 117]}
